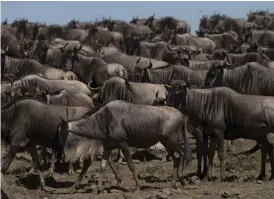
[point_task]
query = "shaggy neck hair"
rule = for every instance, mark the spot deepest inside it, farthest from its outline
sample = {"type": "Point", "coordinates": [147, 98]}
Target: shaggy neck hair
{"type": "Point", "coordinates": [12, 65]}
{"type": "Point", "coordinates": [204, 103]}
{"type": "Point", "coordinates": [166, 75]}
{"type": "Point", "coordinates": [256, 80]}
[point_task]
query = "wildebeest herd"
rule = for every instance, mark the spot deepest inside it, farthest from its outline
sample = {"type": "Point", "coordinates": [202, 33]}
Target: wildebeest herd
{"type": "Point", "coordinates": [87, 88]}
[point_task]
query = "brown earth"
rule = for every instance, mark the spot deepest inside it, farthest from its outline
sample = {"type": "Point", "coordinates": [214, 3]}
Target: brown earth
{"type": "Point", "coordinates": [155, 177]}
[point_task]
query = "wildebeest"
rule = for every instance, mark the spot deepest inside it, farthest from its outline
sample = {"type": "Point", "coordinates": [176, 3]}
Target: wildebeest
{"type": "Point", "coordinates": [34, 84]}
{"type": "Point", "coordinates": [85, 49]}
{"type": "Point", "coordinates": [122, 125]}
{"type": "Point", "coordinates": [166, 74]}
{"type": "Point", "coordinates": [262, 37]}
{"type": "Point", "coordinates": [221, 23]}
{"type": "Point", "coordinates": [244, 58]}
{"type": "Point", "coordinates": [28, 122]}
{"type": "Point", "coordinates": [12, 46]}
{"type": "Point", "coordinates": [112, 55]}
{"type": "Point", "coordinates": [117, 88]}
{"type": "Point", "coordinates": [94, 69]}
{"type": "Point", "coordinates": [227, 114]}
{"type": "Point", "coordinates": [207, 45]}
{"type": "Point", "coordinates": [23, 67]}
{"type": "Point", "coordinates": [223, 40]}
{"type": "Point", "coordinates": [251, 78]}
{"type": "Point", "coordinates": [63, 97]}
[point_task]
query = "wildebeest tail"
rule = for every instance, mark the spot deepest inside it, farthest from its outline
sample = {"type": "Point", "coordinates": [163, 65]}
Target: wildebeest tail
{"type": "Point", "coordinates": [250, 151]}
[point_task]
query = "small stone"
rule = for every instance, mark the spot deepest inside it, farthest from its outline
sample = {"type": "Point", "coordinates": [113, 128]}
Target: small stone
{"type": "Point", "coordinates": [115, 191]}
{"type": "Point", "coordinates": [260, 182]}
{"type": "Point", "coordinates": [166, 191]}
{"type": "Point", "coordinates": [161, 196]}
{"type": "Point", "coordinates": [194, 180]}
{"type": "Point", "coordinates": [177, 190]}
{"type": "Point", "coordinates": [93, 186]}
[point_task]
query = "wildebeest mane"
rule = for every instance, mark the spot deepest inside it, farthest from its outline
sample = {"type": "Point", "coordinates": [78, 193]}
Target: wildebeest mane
{"type": "Point", "coordinates": [116, 89]}
{"type": "Point", "coordinates": [208, 102]}
{"type": "Point", "coordinates": [175, 72]}
{"type": "Point", "coordinates": [250, 79]}
{"type": "Point", "coordinates": [14, 101]}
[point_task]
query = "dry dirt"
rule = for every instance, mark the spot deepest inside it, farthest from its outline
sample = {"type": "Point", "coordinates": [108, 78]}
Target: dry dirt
{"type": "Point", "coordinates": [155, 177]}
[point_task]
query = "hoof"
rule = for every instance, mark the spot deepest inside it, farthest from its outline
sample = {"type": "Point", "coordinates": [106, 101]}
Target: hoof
{"type": "Point", "coordinates": [261, 177]}
{"type": "Point", "coordinates": [71, 172]}
{"type": "Point", "coordinates": [75, 186]}
{"type": "Point", "coordinates": [50, 174]}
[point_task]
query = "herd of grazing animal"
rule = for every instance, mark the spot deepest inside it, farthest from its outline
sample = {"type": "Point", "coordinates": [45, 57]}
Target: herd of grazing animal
{"type": "Point", "coordinates": [87, 88]}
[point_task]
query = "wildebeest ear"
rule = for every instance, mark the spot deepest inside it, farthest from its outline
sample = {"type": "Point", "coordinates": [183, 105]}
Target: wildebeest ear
{"type": "Point", "coordinates": [167, 87]}
{"type": "Point", "coordinates": [7, 93]}
{"type": "Point", "coordinates": [157, 93]}
{"type": "Point", "coordinates": [197, 52]}
{"type": "Point", "coordinates": [220, 70]}
{"type": "Point", "coordinates": [264, 56]}
{"type": "Point", "coordinates": [138, 60]}
{"type": "Point", "coordinates": [150, 64]}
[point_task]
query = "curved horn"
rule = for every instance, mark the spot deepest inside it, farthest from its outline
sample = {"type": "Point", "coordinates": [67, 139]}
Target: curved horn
{"type": "Point", "coordinates": [128, 85]}
{"type": "Point", "coordinates": [150, 64]}
{"type": "Point", "coordinates": [138, 60]}
{"type": "Point", "coordinates": [65, 45]}
{"type": "Point", "coordinates": [93, 89]}
{"type": "Point", "coordinates": [169, 48]}
{"type": "Point", "coordinates": [226, 59]}
{"type": "Point", "coordinates": [99, 44]}
{"type": "Point", "coordinates": [80, 47]}
{"type": "Point", "coordinates": [157, 94]}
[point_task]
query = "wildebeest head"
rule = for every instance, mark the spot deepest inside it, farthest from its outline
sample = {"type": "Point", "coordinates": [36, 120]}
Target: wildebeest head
{"type": "Point", "coordinates": [69, 57]}
{"type": "Point", "coordinates": [177, 92]}
{"type": "Point", "coordinates": [184, 54]}
{"type": "Point", "coordinates": [159, 101]}
{"type": "Point", "coordinates": [214, 76]}
{"type": "Point", "coordinates": [141, 71]}
{"type": "Point", "coordinates": [38, 51]}
{"type": "Point", "coordinates": [219, 54]}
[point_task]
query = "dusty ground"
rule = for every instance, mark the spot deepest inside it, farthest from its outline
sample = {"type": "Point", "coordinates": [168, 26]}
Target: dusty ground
{"type": "Point", "coordinates": [155, 178]}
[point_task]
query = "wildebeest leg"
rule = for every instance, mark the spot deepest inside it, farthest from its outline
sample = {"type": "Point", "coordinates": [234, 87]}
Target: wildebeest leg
{"type": "Point", "coordinates": [120, 156]}
{"type": "Point", "coordinates": [271, 160]}
{"type": "Point", "coordinates": [52, 163]}
{"type": "Point", "coordinates": [71, 171]}
{"type": "Point", "coordinates": [8, 157]}
{"type": "Point", "coordinates": [263, 163]}
{"type": "Point", "coordinates": [211, 153]}
{"type": "Point", "coordinates": [125, 150]}
{"type": "Point", "coordinates": [86, 165]}
{"type": "Point", "coordinates": [198, 134]}
{"type": "Point", "coordinates": [116, 173]}
{"type": "Point", "coordinates": [33, 152]}
{"type": "Point", "coordinates": [176, 163]}
{"type": "Point", "coordinates": [205, 154]}
{"type": "Point", "coordinates": [44, 154]}
{"type": "Point", "coordinates": [105, 159]}
{"type": "Point", "coordinates": [221, 151]}
{"type": "Point", "coordinates": [199, 153]}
